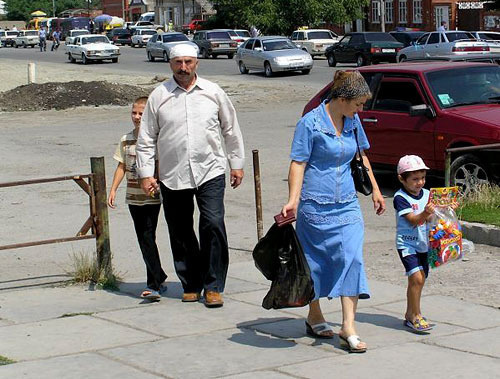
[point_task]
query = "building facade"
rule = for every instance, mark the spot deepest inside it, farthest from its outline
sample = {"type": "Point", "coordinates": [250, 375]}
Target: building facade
{"type": "Point", "coordinates": [427, 15]}
{"type": "Point", "coordinates": [181, 12]}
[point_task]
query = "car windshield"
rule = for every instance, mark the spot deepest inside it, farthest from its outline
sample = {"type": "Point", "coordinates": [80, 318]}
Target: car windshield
{"type": "Point", "coordinates": [232, 33]}
{"type": "Point", "coordinates": [373, 37]}
{"type": "Point", "coordinates": [482, 83]}
{"type": "Point", "coordinates": [175, 38]}
{"type": "Point", "coordinates": [243, 33]}
{"type": "Point", "coordinates": [319, 35]}
{"type": "Point", "coordinates": [149, 32]}
{"type": "Point", "coordinates": [12, 33]}
{"type": "Point", "coordinates": [31, 33]}
{"type": "Point", "coordinates": [80, 33]}
{"type": "Point", "coordinates": [218, 35]}
{"type": "Point", "coordinates": [453, 36]}
{"type": "Point", "coordinates": [279, 44]}
{"type": "Point", "coordinates": [95, 39]}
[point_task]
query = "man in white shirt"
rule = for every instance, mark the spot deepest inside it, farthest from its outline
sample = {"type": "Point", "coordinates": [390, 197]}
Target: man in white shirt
{"type": "Point", "coordinates": [182, 124]}
{"type": "Point", "coordinates": [443, 27]}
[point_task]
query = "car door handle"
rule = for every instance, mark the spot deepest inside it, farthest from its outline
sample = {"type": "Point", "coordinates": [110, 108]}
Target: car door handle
{"type": "Point", "coordinates": [374, 120]}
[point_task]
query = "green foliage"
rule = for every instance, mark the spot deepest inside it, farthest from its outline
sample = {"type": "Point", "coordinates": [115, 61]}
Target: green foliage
{"type": "Point", "coordinates": [5, 360]}
{"type": "Point", "coordinates": [284, 16]}
{"type": "Point", "coordinates": [21, 9]}
{"type": "Point", "coordinates": [84, 269]}
{"type": "Point", "coordinates": [482, 205]}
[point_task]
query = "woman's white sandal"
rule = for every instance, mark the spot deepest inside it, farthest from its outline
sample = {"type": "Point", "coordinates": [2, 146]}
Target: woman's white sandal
{"type": "Point", "coordinates": [352, 342]}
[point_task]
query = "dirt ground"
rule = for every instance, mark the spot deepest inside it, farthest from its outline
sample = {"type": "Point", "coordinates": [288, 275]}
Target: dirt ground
{"type": "Point", "coordinates": [475, 279]}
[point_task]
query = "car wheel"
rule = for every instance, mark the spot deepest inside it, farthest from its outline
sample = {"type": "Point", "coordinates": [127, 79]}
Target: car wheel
{"type": "Point", "coordinates": [16, 45]}
{"type": "Point", "coordinates": [150, 57]}
{"type": "Point", "coordinates": [204, 53]}
{"type": "Point", "coordinates": [268, 71]}
{"type": "Point", "coordinates": [84, 59]}
{"type": "Point", "coordinates": [71, 58]}
{"type": "Point", "coordinates": [242, 68]}
{"type": "Point", "coordinates": [306, 71]}
{"type": "Point", "coordinates": [332, 62]}
{"type": "Point", "coordinates": [230, 56]}
{"type": "Point", "coordinates": [468, 172]}
{"type": "Point", "coordinates": [165, 56]}
{"type": "Point", "coordinates": [402, 58]}
{"type": "Point", "coordinates": [360, 60]}
{"type": "Point", "coordinates": [132, 44]}
{"type": "Point", "coordinates": [24, 45]}
{"type": "Point", "coordinates": [214, 56]}
{"type": "Point", "coordinates": [114, 60]}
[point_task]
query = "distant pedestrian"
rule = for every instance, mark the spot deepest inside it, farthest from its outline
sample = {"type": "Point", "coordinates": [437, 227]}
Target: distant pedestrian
{"type": "Point", "coordinates": [143, 208]}
{"type": "Point", "coordinates": [170, 26]}
{"type": "Point", "coordinates": [42, 35]}
{"type": "Point", "coordinates": [254, 32]}
{"type": "Point", "coordinates": [412, 212]}
{"type": "Point", "coordinates": [443, 27]}
{"type": "Point", "coordinates": [56, 40]}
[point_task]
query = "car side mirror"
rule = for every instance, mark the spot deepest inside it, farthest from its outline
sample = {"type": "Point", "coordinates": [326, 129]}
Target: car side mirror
{"type": "Point", "coordinates": [422, 110]}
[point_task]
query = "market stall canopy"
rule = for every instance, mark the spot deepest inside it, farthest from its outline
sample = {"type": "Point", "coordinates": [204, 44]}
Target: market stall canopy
{"type": "Point", "coordinates": [116, 22]}
{"type": "Point", "coordinates": [38, 14]}
{"type": "Point", "coordinates": [103, 18]}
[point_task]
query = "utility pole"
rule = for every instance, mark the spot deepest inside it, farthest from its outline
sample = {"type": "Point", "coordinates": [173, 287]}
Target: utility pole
{"type": "Point", "coordinates": [88, 8]}
{"type": "Point", "coordinates": [382, 15]}
{"type": "Point", "coordinates": [53, 8]}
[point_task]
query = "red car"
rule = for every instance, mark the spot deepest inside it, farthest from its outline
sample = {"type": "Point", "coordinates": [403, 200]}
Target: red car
{"type": "Point", "coordinates": [194, 25]}
{"type": "Point", "coordinates": [424, 108]}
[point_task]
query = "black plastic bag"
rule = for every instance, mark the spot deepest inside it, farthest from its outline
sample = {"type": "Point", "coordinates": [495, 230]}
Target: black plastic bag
{"type": "Point", "coordinates": [280, 258]}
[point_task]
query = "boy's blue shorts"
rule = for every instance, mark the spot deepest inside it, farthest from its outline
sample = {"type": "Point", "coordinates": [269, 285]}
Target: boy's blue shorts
{"type": "Point", "coordinates": [414, 262]}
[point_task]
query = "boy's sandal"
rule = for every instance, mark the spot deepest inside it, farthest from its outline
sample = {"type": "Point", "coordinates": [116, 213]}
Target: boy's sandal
{"type": "Point", "coordinates": [318, 330]}
{"type": "Point", "coordinates": [352, 343]}
{"type": "Point", "coordinates": [150, 294]}
{"type": "Point", "coordinates": [419, 325]}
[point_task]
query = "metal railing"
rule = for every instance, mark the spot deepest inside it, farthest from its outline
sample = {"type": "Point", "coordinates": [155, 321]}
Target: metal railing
{"type": "Point", "coordinates": [97, 222]}
{"type": "Point", "coordinates": [447, 163]}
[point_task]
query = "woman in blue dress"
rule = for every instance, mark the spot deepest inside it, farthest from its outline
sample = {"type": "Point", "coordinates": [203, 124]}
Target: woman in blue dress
{"type": "Point", "coordinates": [322, 195]}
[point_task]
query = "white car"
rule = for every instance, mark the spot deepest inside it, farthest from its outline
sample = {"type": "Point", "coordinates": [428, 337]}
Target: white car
{"type": "Point", "coordinates": [27, 38]}
{"type": "Point", "coordinates": [314, 41]}
{"type": "Point", "coordinates": [72, 34]}
{"type": "Point", "coordinates": [141, 37]}
{"type": "Point", "coordinates": [491, 38]}
{"type": "Point", "coordinates": [443, 43]}
{"type": "Point", "coordinates": [243, 33]}
{"type": "Point", "coordinates": [7, 37]}
{"type": "Point", "coordinates": [92, 47]}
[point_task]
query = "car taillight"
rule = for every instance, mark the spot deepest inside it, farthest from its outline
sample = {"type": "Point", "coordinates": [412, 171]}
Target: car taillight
{"type": "Point", "coordinates": [233, 44]}
{"type": "Point", "coordinates": [398, 48]}
{"type": "Point", "coordinates": [375, 50]}
{"type": "Point", "coordinates": [470, 48]}
{"type": "Point", "coordinates": [239, 40]}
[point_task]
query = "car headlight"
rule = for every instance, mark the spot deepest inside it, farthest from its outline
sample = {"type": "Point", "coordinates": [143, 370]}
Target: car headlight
{"type": "Point", "coordinates": [308, 59]}
{"type": "Point", "coordinates": [91, 52]}
{"type": "Point", "coordinates": [281, 60]}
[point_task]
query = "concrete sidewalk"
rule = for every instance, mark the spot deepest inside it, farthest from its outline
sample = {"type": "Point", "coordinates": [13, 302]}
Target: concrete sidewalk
{"type": "Point", "coordinates": [74, 332]}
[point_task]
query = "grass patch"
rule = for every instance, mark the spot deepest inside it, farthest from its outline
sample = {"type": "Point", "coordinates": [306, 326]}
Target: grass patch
{"type": "Point", "coordinates": [5, 361]}
{"type": "Point", "coordinates": [482, 205]}
{"type": "Point", "coordinates": [76, 314]}
{"type": "Point", "coordinates": [85, 269]}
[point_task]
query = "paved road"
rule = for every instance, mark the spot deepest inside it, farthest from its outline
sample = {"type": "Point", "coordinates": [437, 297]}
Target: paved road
{"type": "Point", "coordinates": [134, 60]}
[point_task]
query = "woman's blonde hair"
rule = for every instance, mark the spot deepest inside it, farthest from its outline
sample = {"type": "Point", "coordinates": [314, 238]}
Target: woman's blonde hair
{"type": "Point", "coordinates": [349, 85]}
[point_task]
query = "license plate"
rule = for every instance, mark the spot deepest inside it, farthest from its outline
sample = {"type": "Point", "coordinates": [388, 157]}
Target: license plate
{"type": "Point", "coordinates": [388, 50]}
{"type": "Point", "coordinates": [224, 45]}
{"type": "Point", "coordinates": [296, 64]}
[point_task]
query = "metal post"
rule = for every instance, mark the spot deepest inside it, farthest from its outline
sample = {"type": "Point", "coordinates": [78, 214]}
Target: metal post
{"type": "Point", "coordinates": [31, 73]}
{"type": "Point", "coordinates": [101, 222]}
{"type": "Point", "coordinates": [53, 8]}
{"type": "Point", "coordinates": [258, 193]}
{"type": "Point", "coordinates": [382, 15]}
{"type": "Point", "coordinates": [447, 165]}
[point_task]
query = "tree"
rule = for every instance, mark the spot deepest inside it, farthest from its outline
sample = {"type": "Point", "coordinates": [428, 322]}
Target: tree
{"type": "Point", "coordinates": [284, 16]}
{"type": "Point", "coordinates": [21, 9]}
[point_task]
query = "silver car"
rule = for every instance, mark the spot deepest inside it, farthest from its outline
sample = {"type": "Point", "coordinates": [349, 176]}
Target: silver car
{"type": "Point", "coordinates": [272, 54]}
{"type": "Point", "coordinates": [443, 43]}
{"type": "Point", "coordinates": [491, 38]}
{"type": "Point", "coordinates": [160, 44]}
{"type": "Point", "coordinates": [141, 37]}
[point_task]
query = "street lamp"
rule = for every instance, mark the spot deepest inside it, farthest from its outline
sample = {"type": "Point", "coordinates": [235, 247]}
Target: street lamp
{"type": "Point", "coordinates": [53, 8]}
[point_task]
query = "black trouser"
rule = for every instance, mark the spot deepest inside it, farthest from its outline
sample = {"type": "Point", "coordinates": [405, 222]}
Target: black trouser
{"type": "Point", "coordinates": [198, 265]}
{"type": "Point", "coordinates": [145, 221]}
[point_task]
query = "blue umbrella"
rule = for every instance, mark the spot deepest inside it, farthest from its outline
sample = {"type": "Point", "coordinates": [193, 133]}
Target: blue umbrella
{"type": "Point", "coordinates": [103, 18]}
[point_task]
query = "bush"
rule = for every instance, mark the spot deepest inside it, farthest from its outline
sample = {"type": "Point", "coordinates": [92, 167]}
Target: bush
{"type": "Point", "coordinates": [85, 269]}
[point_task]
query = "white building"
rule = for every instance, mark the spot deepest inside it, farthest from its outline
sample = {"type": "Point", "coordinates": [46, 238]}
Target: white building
{"type": "Point", "coordinates": [181, 12]}
{"type": "Point", "coordinates": [2, 8]}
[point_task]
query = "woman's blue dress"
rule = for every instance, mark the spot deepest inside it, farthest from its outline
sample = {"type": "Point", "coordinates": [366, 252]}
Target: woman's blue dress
{"type": "Point", "coordinates": [329, 220]}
